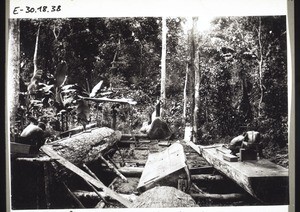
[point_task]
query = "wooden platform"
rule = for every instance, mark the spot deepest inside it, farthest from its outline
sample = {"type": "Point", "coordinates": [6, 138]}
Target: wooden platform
{"type": "Point", "coordinates": [164, 168]}
{"type": "Point", "coordinates": [262, 179]}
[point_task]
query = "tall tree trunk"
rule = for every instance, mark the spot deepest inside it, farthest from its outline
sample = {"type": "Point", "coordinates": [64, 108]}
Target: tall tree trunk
{"type": "Point", "coordinates": [185, 98]}
{"type": "Point", "coordinates": [163, 66]}
{"type": "Point", "coordinates": [197, 97]}
{"type": "Point", "coordinates": [35, 55]}
{"type": "Point", "coordinates": [195, 64]}
{"type": "Point", "coordinates": [260, 62]}
{"type": "Point", "coordinates": [13, 74]}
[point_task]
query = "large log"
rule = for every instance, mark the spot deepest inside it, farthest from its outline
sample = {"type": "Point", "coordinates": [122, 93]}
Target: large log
{"type": "Point", "coordinates": [86, 147]}
{"type": "Point", "coordinates": [93, 195]}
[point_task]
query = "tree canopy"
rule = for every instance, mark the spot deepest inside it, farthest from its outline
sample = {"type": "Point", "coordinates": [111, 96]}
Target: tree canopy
{"type": "Point", "coordinates": [242, 65]}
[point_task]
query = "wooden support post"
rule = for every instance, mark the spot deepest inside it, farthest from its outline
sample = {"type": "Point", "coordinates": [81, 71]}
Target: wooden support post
{"type": "Point", "coordinates": [113, 162]}
{"type": "Point", "coordinates": [114, 118]}
{"type": "Point", "coordinates": [74, 197]}
{"type": "Point", "coordinates": [90, 171]}
{"type": "Point", "coordinates": [113, 168]}
{"type": "Point", "coordinates": [95, 190]}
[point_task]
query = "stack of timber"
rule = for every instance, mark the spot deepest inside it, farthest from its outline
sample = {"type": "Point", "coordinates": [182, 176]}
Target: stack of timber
{"type": "Point", "coordinates": [262, 179]}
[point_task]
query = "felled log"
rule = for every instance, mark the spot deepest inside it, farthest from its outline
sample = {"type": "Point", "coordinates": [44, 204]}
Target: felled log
{"type": "Point", "coordinates": [200, 194]}
{"type": "Point", "coordinates": [86, 147]}
{"type": "Point", "coordinates": [92, 195]}
{"type": "Point", "coordinates": [131, 171]}
{"type": "Point", "coordinates": [206, 177]}
{"type": "Point", "coordinates": [164, 197]}
{"type": "Point", "coordinates": [227, 197]}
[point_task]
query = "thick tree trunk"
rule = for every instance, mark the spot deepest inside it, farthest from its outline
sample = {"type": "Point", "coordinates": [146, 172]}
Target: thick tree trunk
{"type": "Point", "coordinates": [87, 146]}
{"type": "Point", "coordinates": [13, 71]}
{"type": "Point", "coordinates": [197, 86]}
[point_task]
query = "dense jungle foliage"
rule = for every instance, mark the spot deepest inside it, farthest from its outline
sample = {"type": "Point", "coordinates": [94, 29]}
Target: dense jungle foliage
{"type": "Point", "coordinates": [242, 64]}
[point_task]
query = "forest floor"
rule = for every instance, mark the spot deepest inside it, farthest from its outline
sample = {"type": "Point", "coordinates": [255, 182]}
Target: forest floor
{"type": "Point", "coordinates": [277, 155]}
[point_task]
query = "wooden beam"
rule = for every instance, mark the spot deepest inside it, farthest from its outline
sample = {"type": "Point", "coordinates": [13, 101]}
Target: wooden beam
{"type": "Point", "coordinates": [131, 171]}
{"type": "Point", "coordinates": [44, 159]}
{"type": "Point", "coordinates": [97, 183]}
{"type": "Point", "coordinates": [232, 196]}
{"type": "Point", "coordinates": [76, 130]}
{"type": "Point", "coordinates": [262, 179]}
{"type": "Point", "coordinates": [164, 168]}
{"type": "Point", "coordinates": [206, 177]}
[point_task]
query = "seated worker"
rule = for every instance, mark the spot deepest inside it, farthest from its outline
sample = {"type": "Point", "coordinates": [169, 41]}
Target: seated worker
{"type": "Point", "coordinates": [249, 140]}
{"type": "Point", "coordinates": [34, 135]}
{"type": "Point", "coordinates": [236, 143]}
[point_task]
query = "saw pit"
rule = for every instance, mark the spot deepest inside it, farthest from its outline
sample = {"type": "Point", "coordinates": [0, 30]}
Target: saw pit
{"type": "Point", "coordinates": [203, 187]}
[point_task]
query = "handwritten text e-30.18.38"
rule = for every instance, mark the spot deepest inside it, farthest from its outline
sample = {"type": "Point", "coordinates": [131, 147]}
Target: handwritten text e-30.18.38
{"type": "Point", "coordinates": [40, 9]}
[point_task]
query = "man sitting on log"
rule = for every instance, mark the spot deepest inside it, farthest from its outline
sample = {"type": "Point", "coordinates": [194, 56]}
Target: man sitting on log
{"type": "Point", "coordinates": [34, 135]}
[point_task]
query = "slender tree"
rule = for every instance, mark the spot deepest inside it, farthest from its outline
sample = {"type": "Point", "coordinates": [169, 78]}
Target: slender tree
{"type": "Point", "coordinates": [13, 71]}
{"type": "Point", "coordinates": [163, 66]}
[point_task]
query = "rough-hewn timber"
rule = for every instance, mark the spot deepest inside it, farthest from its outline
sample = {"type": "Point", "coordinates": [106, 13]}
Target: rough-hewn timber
{"type": "Point", "coordinates": [262, 179]}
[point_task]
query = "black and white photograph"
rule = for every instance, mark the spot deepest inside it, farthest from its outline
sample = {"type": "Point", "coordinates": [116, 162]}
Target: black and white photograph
{"type": "Point", "coordinates": [186, 111]}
